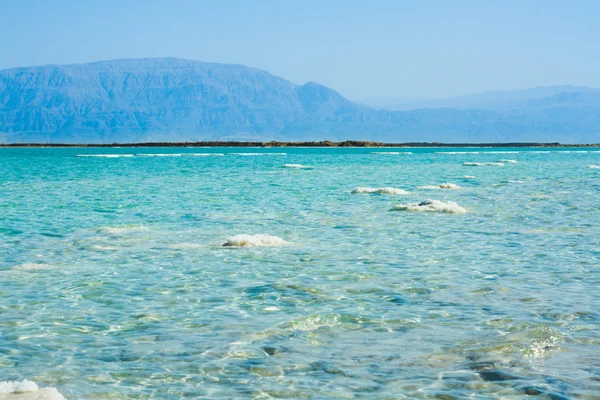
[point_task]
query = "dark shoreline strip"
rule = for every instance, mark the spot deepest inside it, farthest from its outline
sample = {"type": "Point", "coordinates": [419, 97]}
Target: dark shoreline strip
{"type": "Point", "coordinates": [347, 143]}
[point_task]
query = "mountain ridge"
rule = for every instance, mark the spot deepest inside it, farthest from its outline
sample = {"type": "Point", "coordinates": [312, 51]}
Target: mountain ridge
{"type": "Point", "coordinates": [178, 100]}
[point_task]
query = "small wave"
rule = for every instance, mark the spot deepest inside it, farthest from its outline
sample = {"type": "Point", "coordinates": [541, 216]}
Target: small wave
{"type": "Point", "coordinates": [204, 154]}
{"type": "Point", "coordinates": [501, 152]}
{"type": "Point", "coordinates": [573, 151]}
{"type": "Point", "coordinates": [383, 190]}
{"type": "Point", "coordinates": [440, 186]}
{"type": "Point", "coordinates": [245, 240]}
{"type": "Point", "coordinates": [257, 154]}
{"type": "Point", "coordinates": [507, 161]}
{"type": "Point", "coordinates": [479, 164]}
{"type": "Point", "coordinates": [33, 267]}
{"type": "Point", "coordinates": [298, 166]}
{"type": "Point", "coordinates": [431, 206]}
{"type": "Point", "coordinates": [14, 390]}
{"type": "Point", "coordinates": [469, 177]}
{"type": "Point", "coordinates": [159, 155]}
{"type": "Point", "coordinates": [105, 155]}
{"type": "Point", "coordinates": [457, 152]}
{"type": "Point", "coordinates": [389, 153]}
{"type": "Point", "coordinates": [594, 166]}
{"type": "Point", "coordinates": [539, 151]}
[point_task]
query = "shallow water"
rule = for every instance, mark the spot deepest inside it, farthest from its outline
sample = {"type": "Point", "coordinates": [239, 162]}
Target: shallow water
{"type": "Point", "coordinates": [115, 284]}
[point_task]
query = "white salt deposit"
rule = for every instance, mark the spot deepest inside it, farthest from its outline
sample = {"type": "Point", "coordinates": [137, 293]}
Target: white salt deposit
{"type": "Point", "coordinates": [431, 206]}
{"type": "Point", "coordinates": [457, 152]}
{"type": "Point", "coordinates": [115, 230]}
{"type": "Point", "coordinates": [105, 155]}
{"type": "Point", "coordinates": [441, 186]}
{"type": "Point", "coordinates": [383, 190]}
{"type": "Point", "coordinates": [27, 390]}
{"type": "Point", "coordinates": [507, 161]}
{"type": "Point", "coordinates": [159, 155]}
{"type": "Point", "coordinates": [255, 240]}
{"type": "Point", "coordinates": [478, 164]}
{"type": "Point", "coordinates": [389, 153]}
{"type": "Point", "coordinates": [184, 246]}
{"type": "Point", "coordinates": [32, 267]}
{"type": "Point", "coordinates": [594, 166]}
{"type": "Point", "coordinates": [257, 154]}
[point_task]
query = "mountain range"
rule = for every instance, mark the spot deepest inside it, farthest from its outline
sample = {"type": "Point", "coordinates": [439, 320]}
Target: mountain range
{"type": "Point", "coordinates": [175, 100]}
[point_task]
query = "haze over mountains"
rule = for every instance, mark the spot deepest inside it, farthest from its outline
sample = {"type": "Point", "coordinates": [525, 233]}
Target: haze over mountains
{"type": "Point", "coordinates": [169, 99]}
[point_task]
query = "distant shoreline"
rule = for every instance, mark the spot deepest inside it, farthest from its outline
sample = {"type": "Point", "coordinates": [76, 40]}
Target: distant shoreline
{"type": "Point", "coordinates": [347, 143]}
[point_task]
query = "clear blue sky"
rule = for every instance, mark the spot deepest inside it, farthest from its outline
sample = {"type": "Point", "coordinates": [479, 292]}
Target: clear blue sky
{"type": "Point", "coordinates": [364, 49]}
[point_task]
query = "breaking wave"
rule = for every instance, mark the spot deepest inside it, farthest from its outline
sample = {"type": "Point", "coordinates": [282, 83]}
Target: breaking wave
{"type": "Point", "coordinates": [431, 206]}
{"type": "Point", "coordinates": [507, 161]}
{"type": "Point", "coordinates": [15, 388]}
{"type": "Point", "coordinates": [244, 240]}
{"type": "Point", "coordinates": [594, 166]}
{"type": "Point", "coordinates": [469, 177]}
{"type": "Point", "coordinates": [383, 190]}
{"type": "Point", "coordinates": [297, 166]}
{"type": "Point", "coordinates": [204, 154]}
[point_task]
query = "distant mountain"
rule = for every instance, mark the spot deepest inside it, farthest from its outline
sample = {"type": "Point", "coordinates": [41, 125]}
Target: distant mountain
{"type": "Point", "coordinates": [169, 99]}
{"type": "Point", "coordinates": [545, 96]}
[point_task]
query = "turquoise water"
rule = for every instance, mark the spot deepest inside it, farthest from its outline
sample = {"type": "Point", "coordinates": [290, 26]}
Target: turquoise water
{"type": "Point", "coordinates": [115, 284]}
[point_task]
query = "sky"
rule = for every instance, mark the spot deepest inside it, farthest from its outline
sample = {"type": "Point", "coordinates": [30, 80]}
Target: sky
{"type": "Point", "coordinates": [374, 49]}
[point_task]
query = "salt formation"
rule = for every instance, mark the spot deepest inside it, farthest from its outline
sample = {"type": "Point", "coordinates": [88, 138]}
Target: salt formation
{"type": "Point", "coordinates": [254, 241]}
{"type": "Point", "coordinates": [431, 206]}
{"type": "Point", "coordinates": [384, 190]}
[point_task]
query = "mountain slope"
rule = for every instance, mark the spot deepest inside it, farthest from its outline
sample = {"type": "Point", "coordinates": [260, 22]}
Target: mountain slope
{"type": "Point", "coordinates": [140, 100]}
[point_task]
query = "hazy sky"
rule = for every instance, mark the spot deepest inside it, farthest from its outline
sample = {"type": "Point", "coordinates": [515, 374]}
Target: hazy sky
{"type": "Point", "coordinates": [364, 49]}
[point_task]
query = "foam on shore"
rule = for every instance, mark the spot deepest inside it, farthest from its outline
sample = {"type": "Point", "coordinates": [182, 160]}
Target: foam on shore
{"type": "Point", "coordinates": [440, 186]}
{"type": "Point", "coordinates": [431, 206]}
{"type": "Point", "coordinates": [383, 190]}
{"type": "Point", "coordinates": [479, 164]}
{"type": "Point", "coordinates": [105, 155]}
{"type": "Point", "coordinates": [257, 240]}
{"type": "Point", "coordinates": [27, 390]}
{"type": "Point", "coordinates": [507, 161]}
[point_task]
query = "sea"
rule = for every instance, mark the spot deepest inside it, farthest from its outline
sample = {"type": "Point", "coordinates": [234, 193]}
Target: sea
{"type": "Point", "coordinates": [300, 273]}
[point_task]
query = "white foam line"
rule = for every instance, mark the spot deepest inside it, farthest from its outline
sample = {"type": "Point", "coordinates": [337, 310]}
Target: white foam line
{"type": "Point", "coordinates": [204, 154]}
{"type": "Point", "coordinates": [500, 152]}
